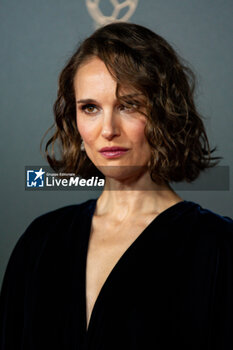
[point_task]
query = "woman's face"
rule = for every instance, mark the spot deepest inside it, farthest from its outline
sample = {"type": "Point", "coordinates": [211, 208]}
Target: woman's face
{"type": "Point", "coordinates": [103, 121]}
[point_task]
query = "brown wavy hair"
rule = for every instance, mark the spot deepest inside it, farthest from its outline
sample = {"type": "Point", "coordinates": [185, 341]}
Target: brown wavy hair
{"type": "Point", "coordinates": [138, 58]}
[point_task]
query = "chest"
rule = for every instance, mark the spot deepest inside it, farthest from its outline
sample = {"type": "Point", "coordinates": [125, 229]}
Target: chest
{"type": "Point", "coordinates": [107, 244]}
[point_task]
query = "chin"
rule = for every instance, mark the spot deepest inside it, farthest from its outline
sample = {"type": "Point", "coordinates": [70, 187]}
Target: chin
{"type": "Point", "coordinates": [121, 172]}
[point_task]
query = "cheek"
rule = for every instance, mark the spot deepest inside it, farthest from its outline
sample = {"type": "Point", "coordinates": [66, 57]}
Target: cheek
{"type": "Point", "coordinates": [86, 130]}
{"type": "Point", "coordinates": [137, 134]}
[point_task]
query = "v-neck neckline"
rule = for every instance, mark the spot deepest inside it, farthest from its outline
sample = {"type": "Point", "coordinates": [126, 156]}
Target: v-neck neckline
{"type": "Point", "coordinates": [161, 217]}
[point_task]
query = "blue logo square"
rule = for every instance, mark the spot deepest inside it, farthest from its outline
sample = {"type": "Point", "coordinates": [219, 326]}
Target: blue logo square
{"type": "Point", "coordinates": [35, 178]}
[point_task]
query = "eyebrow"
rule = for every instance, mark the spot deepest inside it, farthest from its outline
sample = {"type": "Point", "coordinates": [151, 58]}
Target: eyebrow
{"type": "Point", "coordinates": [91, 100]}
{"type": "Point", "coordinates": [87, 100]}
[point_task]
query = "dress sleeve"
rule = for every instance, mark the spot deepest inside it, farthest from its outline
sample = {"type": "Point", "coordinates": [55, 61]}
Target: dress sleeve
{"type": "Point", "coordinates": [222, 325]}
{"type": "Point", "coordinates": [17, 282]}
{"type": "Point", "coordinates": [12, 297]}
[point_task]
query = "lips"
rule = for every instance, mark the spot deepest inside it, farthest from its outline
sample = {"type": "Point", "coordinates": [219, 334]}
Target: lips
{"type": "Point", "coordinates": [113, 152]}
{"type": "Point", "coordinates": [113, 149]}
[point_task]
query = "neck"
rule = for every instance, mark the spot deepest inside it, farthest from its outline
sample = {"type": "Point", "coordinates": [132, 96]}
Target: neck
{"type": "Point", "coordinates": [125, 198]}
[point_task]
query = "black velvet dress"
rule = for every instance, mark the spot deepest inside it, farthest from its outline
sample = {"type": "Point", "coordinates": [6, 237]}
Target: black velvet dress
{"type": "Point", "coordinates": [172, 288]}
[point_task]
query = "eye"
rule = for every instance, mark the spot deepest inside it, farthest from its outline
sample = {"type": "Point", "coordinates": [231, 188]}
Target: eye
{"type": "Point", "coordinates": [89, 108]}
{"type": "Point", "coordinates": [131, 107]}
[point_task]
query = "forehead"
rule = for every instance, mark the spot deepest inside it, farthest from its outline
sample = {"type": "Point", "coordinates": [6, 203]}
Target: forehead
{"type": "Point", "coordinates": [92, 66]}
{"type": "Point", "coordinates": [93, 77]}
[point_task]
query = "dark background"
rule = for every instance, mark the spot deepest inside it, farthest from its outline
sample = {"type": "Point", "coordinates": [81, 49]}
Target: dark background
{"type": "Point", "coordinates": [37, 37]}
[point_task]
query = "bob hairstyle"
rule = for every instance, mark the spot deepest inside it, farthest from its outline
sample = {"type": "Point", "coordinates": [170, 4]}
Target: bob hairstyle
{"type": "Point", "coordinates": [137, 58]}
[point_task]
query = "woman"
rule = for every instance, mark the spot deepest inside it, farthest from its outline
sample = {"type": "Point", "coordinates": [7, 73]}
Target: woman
{"type": "Point", "coordinates": [139, 267]}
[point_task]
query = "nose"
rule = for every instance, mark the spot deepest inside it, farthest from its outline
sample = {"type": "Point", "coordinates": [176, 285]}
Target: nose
{"type": "Point", "coordinates": [110, 126]}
